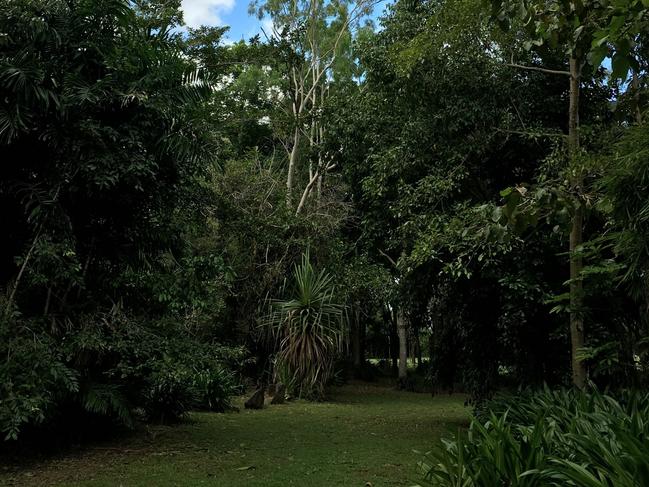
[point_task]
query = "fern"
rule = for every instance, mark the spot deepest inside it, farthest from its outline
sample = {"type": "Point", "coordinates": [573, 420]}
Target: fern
{"type": "Point", "coordinates": [107, 400]}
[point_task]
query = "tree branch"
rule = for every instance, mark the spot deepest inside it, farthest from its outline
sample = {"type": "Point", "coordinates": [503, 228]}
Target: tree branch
{"type": "Point", "coordinates": [389, 258]}
{"type": "Point", "coordinates": [536, 68]}
{"type": "Point", "coordinates": [306, 192]}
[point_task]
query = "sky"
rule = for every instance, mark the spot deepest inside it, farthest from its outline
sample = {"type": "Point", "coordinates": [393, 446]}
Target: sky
{"type": "Point", "coordinates": [233, 13]}
{"type": "Point", "coordinates": [222, 12]}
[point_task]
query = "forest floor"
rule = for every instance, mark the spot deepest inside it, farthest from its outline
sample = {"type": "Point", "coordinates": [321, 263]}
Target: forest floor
{"type": "Point", "coordinates": [363, 434]}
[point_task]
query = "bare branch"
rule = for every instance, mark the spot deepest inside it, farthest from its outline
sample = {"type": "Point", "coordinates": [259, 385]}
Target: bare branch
{"type": "Point", "coordinates": [531, 133]}
{"type": "Point", "coordinates": [537, 68]}
{"type": "Point", "coordinates": [389, 258]}
{"type": "Point", "coordinates": [306, 192]}
{"type": "Point", "coordinates": [512, 64]}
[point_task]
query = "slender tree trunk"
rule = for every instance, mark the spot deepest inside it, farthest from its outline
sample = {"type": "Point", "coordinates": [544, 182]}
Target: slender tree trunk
{"type": "Point", "coordinates": [394, 342]}
{"type": "Point", "coordinates": [14, 288]}
{"type": "Point", "coordinates": [576, 233]}
{"type": "Point", "coordinates": [48, 298]}
{"type": "Point", "coordinates": [319, 188]}
{"type": "Point", "coordinates": [403, 346]}
{"type": "Point", "coordinates": [292, 163]}
{"type": "Point", "coordinates": [362, 352]}
{"type": "Point", "coordinates": [646, 295]}
{"type": "Point", "coordinates": [635, 85]}
{"type": "Point", "coordinates": [417, 346]}
{"type": "Point", "coordinates": [356, 338]}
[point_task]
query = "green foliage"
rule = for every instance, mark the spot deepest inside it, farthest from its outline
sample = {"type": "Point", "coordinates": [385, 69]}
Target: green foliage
{"type": "Point", "coordinates": [214, 387]}
{"type": "Point", "coordinates": [587, 29]}
{"type": "Point", "coordinates": [260, 239]}
{"type": "Point", "coordinates": [322, 30]}
{"type": "Point", "coordinates": [33, 375]}
{"type": "Point", "coordinates": [436, 129]}
{"type": "Point", "coordinates": [113, 300]}
{"type": "Point", "coordinates": [548, 438]}
{"type": "Point", "coordinates": [107, 400]}
{"type": "Point", "coordinates": [169, 394]}
{"type": "Point", "coordinates": [624, 187]}
{"type": "Point", "coordinates": [108, 142]}
{"type": "Point", "coordinates": [185, 381]}
{"type": "Point", "coordinates": [149, 217]}
{"type": "Point", "coordinates": [308, 329]}
{"type": "Point", "coordinates": [175, 388]}
{"type": "Point", "coordinates": [113, 366]}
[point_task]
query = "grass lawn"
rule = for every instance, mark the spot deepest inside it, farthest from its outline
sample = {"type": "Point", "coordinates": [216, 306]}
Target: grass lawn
{"type": "Point", "coordinates": [365, 433]}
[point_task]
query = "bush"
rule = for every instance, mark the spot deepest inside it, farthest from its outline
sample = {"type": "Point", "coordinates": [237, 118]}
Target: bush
{"type": "Point", "coordinates": [213, 388]}
{"type": "Point", "coordinates": [175, 389]}
{"type": "Point", "coordinates": [107, 365]}
{"type": "Point", "coordinates": [170, 394]}
{"type": "Point", "coordinates": [549, 438]}
{"type": "Point", "coordinates": [33, 377]}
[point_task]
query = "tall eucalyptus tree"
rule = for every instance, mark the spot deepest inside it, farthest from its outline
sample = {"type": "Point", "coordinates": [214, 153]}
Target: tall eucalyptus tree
{"type": "Point", "coordinates": [316, 36]}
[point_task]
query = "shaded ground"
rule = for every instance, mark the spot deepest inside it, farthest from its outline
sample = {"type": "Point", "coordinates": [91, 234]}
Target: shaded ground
{"type": "Point", "coordinates": [365, 433]}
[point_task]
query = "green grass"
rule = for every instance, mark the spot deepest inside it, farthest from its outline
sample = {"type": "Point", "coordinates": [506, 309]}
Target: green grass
{"type": "Point", "coordinates": [364, 433]}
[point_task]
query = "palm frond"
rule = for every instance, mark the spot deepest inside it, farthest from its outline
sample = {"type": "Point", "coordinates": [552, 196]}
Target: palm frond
{"type": "Point", "coordinates": [309, 331]}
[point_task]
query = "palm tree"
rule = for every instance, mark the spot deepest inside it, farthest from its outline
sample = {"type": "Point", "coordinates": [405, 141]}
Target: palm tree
{"type": "Point", "coordinates": [308, 329]}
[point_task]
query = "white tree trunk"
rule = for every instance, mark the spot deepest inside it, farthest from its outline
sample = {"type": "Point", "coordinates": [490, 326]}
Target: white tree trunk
{"type": "Point", "coordinates": [292, 163]}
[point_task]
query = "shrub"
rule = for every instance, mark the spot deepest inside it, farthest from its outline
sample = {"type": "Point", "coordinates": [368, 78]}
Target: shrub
{"type": "Point", "coordinates": [33, 377]}
{"type": "Point", "coordinates": [177, 388]}
{"type": "Point", "coordinates": [213, 388]}
{"type": "Point", "coordinates": [107, 365]}
{"type": "Point", "coordinates": [170, 394]}
{"type": "Point", "coordinates": [549, 438]}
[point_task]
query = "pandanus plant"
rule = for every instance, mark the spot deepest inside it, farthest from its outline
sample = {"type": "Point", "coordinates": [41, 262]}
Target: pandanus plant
{"type": "Point", "coordinates": [308, 331]}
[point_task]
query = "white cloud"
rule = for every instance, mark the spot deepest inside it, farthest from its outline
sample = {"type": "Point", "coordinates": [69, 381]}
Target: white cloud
{"type": "Point", "coordinates": [268, 28]}
{"type": "Point", "coordinates": [205, 12]}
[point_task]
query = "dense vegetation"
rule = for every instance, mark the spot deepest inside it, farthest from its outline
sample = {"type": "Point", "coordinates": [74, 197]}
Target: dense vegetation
{"type": "Point", "coordinates": [549, 438]}
{"type": "Point", "coordinates": [465, 187]}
